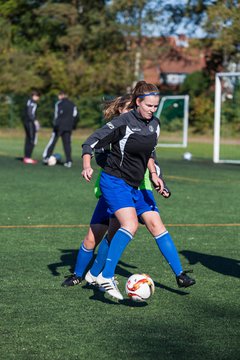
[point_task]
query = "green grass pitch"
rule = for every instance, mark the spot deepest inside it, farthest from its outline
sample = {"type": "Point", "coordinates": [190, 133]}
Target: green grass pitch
{"type": "Point", "coordinates": [44, 216]}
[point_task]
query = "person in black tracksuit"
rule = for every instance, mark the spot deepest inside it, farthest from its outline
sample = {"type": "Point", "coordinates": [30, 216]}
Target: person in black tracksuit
{"type": "Point", "coordinates": [31, 127]}
{"type": "Point", "coordinates": [65, 121]}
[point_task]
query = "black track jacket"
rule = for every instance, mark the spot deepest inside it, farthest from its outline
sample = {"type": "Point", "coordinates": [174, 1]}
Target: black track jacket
{"type": "Point", "coordinates": [65, 115]}
{"type": "Point", "coordinates": [132, 140]}
{"type": "Point", "coordinates": [30, 110]}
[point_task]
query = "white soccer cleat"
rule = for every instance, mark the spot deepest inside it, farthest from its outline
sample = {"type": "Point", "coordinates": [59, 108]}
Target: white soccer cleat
{"type": "Point", "coordinates": [110, 286]}
{"type": "Point", "coordinates": [92, 280]}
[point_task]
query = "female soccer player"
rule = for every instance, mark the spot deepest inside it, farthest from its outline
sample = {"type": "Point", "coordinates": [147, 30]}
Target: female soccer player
{"type": "Point", "coordinates": [133, 137]}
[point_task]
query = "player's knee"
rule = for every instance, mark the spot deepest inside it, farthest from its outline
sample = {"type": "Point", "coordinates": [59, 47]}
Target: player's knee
{"type": "Point", "coordinates": [156, 228]}
{"type": "Point", "coordinates": [131, 226]}
{"type": "Point", "coordinates": [89, 243]}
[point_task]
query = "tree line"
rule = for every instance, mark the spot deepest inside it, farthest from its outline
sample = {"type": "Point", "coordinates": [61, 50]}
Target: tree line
{"type": "Point", "coordinates": [96, 49]}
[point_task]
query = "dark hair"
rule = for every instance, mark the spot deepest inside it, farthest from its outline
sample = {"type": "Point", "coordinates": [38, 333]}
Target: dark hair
{"type": "Point", "coordinates": [62, 92]}
{"type": "Point", "coordinates": [112, 108]}
{"type": "Point", "coordinates": [142, 89]}
{"type": "Point", "coordinates": [35, 93]}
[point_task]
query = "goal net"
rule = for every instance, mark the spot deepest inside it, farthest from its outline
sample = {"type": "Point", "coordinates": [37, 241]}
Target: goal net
{"type": "Point", "coordinates": [173, 113]}
{"type": "Point", "coordinates": [227, 118]}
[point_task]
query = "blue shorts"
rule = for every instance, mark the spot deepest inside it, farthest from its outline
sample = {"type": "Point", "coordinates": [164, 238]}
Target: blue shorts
{"type": "Point", "coordinates": [118, 194]}
{"type": "Point", "coordinates": [101, 214]}
{"type": "Point", "coordinates": [145, 202]}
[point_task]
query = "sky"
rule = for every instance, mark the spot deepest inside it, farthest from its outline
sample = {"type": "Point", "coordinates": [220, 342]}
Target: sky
{"type": "Point", "coordinates": [163, 27]}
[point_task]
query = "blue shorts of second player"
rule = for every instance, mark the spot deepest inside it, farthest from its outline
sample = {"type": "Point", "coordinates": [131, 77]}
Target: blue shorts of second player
{"type": "Point", "coordinates": [101, 214]}
{"type": "Point", "coordinates": [118, 194]}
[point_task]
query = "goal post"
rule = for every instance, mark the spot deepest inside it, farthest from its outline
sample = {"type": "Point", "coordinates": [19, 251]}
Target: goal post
{"type": "Point", "coordinates": [226, 147]}
{"type": "Point", "coordinates": [173, 113]}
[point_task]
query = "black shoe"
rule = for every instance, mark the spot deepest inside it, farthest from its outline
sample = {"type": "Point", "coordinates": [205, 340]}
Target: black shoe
{"type": "Point", "coordinates": [72, 280]}
{"type": "Point", "coordinates": [183, 280]}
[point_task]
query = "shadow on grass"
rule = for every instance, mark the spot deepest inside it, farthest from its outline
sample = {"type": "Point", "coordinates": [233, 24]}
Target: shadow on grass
{"type": "Point", "coordinates": [125, 273]}
{"type": "Point", "coordinates": [103, 297]}
{"type": "Point", "coordinates": [219, 264]}
{"type": "Point", "coordinates": [69, 256]}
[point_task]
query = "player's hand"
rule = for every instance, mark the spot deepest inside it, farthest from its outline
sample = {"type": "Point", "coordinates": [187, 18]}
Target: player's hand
{"type": "Point", "coordinates": [37, 125]}
{"type": "Point", "coordinates": [87, 173]}
{"type": "Point", "coordinates": [157, 183]}
{"type": "Point", "coordinates": [166, 192]}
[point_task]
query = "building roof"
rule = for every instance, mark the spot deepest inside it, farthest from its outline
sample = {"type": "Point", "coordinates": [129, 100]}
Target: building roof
{"type": "Point", "coordinates": [174, 57]}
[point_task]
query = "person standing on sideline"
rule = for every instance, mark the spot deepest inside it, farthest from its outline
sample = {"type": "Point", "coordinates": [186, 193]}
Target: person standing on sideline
{"type": "Point", "coordinates": [65, 121]}
{"type": "Point", "coordinates": [31, 127]}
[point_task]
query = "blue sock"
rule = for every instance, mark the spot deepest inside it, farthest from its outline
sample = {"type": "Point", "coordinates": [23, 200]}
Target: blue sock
{"type": "Point", "coordinates": [169, 251]}
{"type": "Point", "coordinates": [118, 244]}
{"type": "Point", "coordinates": [101, 257]}
{"type": "Point", "coordinates": [83, 259]}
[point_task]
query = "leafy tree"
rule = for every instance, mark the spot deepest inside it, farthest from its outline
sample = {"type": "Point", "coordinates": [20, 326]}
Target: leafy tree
{"type": "Point", "coordinates": [195, 84]}
{"type": "Point", "coordinates": [202, 114]}
{"type": "Point", "coordinates": [97, 47]}
{"type": "Point", "coordinates": [223, 21]}
{"type": "Point", "coordinates": [76, 45]}
{"type": "Point", "coordinates": [198, 86]}
{"type": "Point", "coordinates": [89, 45]}
{"type": "Point", "coordinates": [141, 21]}
{"type": "Point", "coordinates": [17, 67]}
{"type": "Point", "coordinates": [79, 39]}
{"type": "Point", "coordinates": [220, 20]}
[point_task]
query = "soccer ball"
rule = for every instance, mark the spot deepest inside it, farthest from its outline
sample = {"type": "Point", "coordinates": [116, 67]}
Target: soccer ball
{"type": "Point", "coordinates": [139, 287]}
{"type": "Point", "coordinates": [187, 156]}
{"type": "Point", "coordinates": [52, 161]}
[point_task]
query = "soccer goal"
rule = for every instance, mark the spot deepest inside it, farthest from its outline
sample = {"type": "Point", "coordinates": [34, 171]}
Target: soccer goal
{"type": "Point", "coordinates": [227, 118]}
{"type": "Point", "coordinates": [173, 113]}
